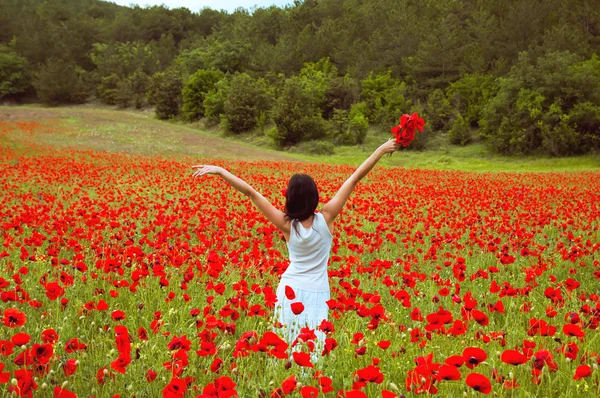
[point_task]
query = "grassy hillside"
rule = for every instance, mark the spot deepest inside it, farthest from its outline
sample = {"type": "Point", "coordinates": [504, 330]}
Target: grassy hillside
{"type": "Point", "coordinates": [140, 132]}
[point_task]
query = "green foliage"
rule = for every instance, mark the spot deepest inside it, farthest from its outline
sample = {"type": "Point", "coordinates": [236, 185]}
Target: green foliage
{"type": "Point", "coordinates": [60, 82]}
{"type": "Point", "coordinates": [214, 100]}
{"type": "Point", "coordinates": [195, 89]}
{"type": "Point", "coordinates": [385, 98]}
{"type": "Point", "coordinates": [349, 128]}
{"type": "Point", "coordinates": [13, 78]}
{"type": "Point", "coordinates": [165, 94]}
{"type": "Point", "coordinates": [107, 90]}
{"type": "Point", "coordinates": [247, 103]}
{"type": "Point", "coordinates": [139, 83]}
{"type": "Point", "coordinates": [460, 132]}
{"type": "Point", "coordinates": [539, 106]}
{"type": "Point", "coordinates": [296, 115]}
{"type": "Point", "coordinates": [341, 93]}
{"type": "Point", "coordinates": [470, 94]}
{"type": "Point", "coordinates": [439, 111]}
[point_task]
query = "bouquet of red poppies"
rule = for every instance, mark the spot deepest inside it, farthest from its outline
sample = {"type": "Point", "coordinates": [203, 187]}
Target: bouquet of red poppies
{"type": "Point", "coordinates": [405, 131]}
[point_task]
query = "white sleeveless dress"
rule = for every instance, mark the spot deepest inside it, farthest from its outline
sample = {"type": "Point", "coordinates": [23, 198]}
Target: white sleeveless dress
{"type": "Point", "coordinates": [309, 250]}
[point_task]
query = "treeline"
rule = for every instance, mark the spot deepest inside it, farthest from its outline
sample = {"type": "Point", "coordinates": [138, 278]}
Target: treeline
{"type": "Point", "coordinates": [522, 75]}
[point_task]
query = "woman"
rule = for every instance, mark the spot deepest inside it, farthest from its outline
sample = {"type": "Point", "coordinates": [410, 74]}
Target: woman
{"type": "Point", "coordinates": [308, 236]}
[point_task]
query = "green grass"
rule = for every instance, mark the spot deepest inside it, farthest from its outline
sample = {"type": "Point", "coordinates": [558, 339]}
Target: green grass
{"type": "Point", "coordinates": [140, 132]}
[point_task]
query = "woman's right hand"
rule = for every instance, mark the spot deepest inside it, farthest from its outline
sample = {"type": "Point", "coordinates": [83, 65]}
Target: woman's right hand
{"type": "Point", "coordinates": [388, 147]}
{"type": "Point", "coordinates": [206, 169]}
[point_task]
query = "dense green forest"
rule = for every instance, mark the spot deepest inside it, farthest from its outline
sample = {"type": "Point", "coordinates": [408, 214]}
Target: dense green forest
{"type": "Point", "coordinates": [521, 75]}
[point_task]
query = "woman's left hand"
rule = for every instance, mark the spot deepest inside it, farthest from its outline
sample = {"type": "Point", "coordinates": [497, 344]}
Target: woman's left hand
{"type": "Point", "coordinates": [206, 169]}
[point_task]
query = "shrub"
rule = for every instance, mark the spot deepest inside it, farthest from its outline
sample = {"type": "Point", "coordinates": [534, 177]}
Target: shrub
{"type": "Point", "coordinates": [196, 88]}
{"type": "Point", "coordinates": [348, 129]}
{"type": "Point", "coordinates": [247, 103]}
{"type": "Point", "coordinates": [61, 82]}
{"type": "Point", "coordinates": [107, 90]}
{"type": "Point", "coordinates": [539, 106]}
{"type": "Point", "coordinates": [439, 111]}
{"type": "Point", "coordinates": [470, 94]}
{"type": "Point", "coordinates": [460, 132]}
{"type": "Point", "coordinates": [296, 116]}
{"type": "Point", "coordinates": [13, 79]}
{"type": "Point", "coordinates": [214, 100]}
{"type": "Point", "coordinates": [166, 94]}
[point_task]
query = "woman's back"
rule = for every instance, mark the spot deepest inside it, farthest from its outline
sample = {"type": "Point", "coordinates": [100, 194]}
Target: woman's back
{"type": "Point", "coordinates": [309, 250]}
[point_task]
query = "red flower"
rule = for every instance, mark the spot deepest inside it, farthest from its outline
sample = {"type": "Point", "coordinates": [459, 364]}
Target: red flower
{"type": "Point", "coordinates": [49, 336]}
{"type": "Point", "coordinates": [14, 318]}
{"type": "Point", "coordinates": [120, 364]}
{"type": "Point", "coordinates": [42, 353]}
{"type": "Point", "coordinates": [62, 393]}
{"type": "Point", "coordinates": [150, 375]}
{"type": "Point", "coordinates": [221, 387]}
{"type": "Point", "coordinates": [309, 392]}
{"type": "Point", "coordinates": [582, 371]}
{"type": "Point", "coordinates": [384, 344]}
{"type": "Point", "coordinates": [289, 293]}
{"type": "Point", "coordinates": [479, 382]}
{"type": "Point", "coordinates": [54, 290]}
{"type": "Point", "coordinates": [175, 389]}
{"type": "Point", "coordinates": [74, 345]}
{"type": "Point", "coordinates": [573, 330]}
{"type": "Point", "coordinates": [513, 357]}
{"type": "Point", "coordinates": [70, 367]}
{"type": "Point", "coordinates": [297, 308]}
{"type": "Point", "coordinates": [20, 339]}
{"type": "Point", "coordinates": [118, 315]}
{"type": "Point", "coordinates": [302, 359]}
{"type": "Point", "coordinates": [473, 356]}
{"type": "Point", "coordinates": [289, 384]}
{"type": "Point", "coordinates": [405, 131]}
{"type": "Point", "coordinates": [448, 372]}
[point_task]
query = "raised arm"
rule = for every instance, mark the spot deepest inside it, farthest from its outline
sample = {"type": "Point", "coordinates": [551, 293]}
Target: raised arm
{"type": "Point", "coordinates": [331, 210]}
{"type": "Point", "coordinates": [277, 217]}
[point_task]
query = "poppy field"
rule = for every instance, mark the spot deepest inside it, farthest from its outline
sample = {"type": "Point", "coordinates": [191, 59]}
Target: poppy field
{"type": "Point", "coordinates": [123, 276]}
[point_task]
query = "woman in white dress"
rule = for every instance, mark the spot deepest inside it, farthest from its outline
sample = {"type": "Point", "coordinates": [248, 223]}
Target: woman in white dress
{"type": "Point", "coordinates": [308, 235]}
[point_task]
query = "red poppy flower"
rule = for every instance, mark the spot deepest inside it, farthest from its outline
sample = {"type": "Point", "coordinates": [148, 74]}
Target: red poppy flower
{"type": "Point", "coordinates": [573, 330]}
{"type": "Point", "coordinates": [448, 372]}
{"type": "Point", "coordinates": [120, 364]}
{"type": "Point", "coordinates": [513, 357]}
{"type": "Point", "coordinates": [118, 315]}
{"type": "Point", "coordinates": [151, 375]}
{"type": "Point", "coordinates": [289, 384]}
{"type": "Point", "coordinates": [479, 382]}
{"type": "Point", "coordinates": [297, 308]}
{"type": "Point", "coordinates": [50, 336]}
{"type": "Point", "coordinates": [473, 356]}
{"type": "Point", "coordinates": [54, 290]}
{"type": "Point", "coordinates": [14, 318]}
{"type": "Point", "coordinates": [289, 293]}
{"type": "Point", "coordinates": [20, 339]}
{"type": "Point", "coordinates": [175, 389]}
{"type": "Point", "coordinates": [582, 371]}
{"type": "Point", "coordinates": [70, 367]}
{"type": "Point", "coordinates": [302, 359]}
{"type": "Point", "coordinates": [42, 353]}
{"type": "Point", "coordinates": [309, 392]}
{"type": "Point", "coordinates": [60, 392]}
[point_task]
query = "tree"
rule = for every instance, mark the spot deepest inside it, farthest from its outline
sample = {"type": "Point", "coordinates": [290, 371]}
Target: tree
{"type": "Point", "coordinates": [60, 82]}
{"type": "Point", "coordinates": [165, 93]}
{"type": "Point", "coordinates": [13, 79]}
{"type": "Point", "coordinates": [247, 102]}
{"type": "Point", "coordinates": [296, 115]}
{"type": "Point", "coordinates": [195, 89]}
